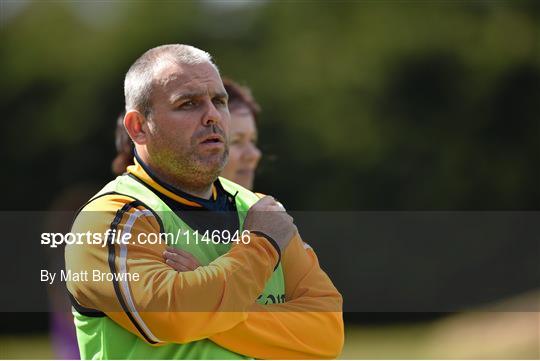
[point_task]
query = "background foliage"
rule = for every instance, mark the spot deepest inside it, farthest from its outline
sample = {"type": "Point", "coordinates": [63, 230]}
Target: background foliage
{"type": "Point", "coordinates": [366, 105]}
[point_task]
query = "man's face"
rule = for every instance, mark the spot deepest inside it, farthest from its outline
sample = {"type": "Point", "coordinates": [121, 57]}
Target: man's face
{"type": "Point", "coordinates": [189, 123]}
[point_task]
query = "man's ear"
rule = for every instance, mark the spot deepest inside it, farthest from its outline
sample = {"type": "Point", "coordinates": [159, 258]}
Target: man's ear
{"type": "Point", "coordinates": [134, 122]}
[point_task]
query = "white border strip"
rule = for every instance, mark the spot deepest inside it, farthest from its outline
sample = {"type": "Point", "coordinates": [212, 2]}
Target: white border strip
{"type": "Point", "coordinates": [123, 270]}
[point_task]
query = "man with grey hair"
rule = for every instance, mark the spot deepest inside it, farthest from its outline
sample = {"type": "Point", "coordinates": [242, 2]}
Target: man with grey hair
{"type": "Point", "coordinates": [142, 74]}
{"type": "Point", "coordinates": [259, 292]}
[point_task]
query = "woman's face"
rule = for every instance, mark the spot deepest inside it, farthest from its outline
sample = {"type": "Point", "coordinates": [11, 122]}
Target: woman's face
{"type": "Point", "coordinates": [243, 152]}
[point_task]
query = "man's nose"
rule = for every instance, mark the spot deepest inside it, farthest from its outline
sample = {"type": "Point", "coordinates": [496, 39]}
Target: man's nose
{"type": "Point", "coordinates": [212, 114]}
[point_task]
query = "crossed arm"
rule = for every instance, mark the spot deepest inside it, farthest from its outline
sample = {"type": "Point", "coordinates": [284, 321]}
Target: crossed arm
{"type": "Point", "coordinates": [308, 325]}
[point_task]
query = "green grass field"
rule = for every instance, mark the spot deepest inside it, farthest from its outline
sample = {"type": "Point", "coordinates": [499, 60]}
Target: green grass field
{"type": "Point", "coordinates": [457, 338]}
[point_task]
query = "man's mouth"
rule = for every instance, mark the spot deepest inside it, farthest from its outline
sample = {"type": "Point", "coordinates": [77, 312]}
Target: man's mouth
{"type": "Point", "coordinates": [212, 139]}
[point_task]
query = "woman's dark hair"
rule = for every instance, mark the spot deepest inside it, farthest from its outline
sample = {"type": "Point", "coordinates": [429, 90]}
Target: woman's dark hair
{"type": "Point", "coordinates": [124, 148]}
{"type": "Point", "coordinates": [240, 97]}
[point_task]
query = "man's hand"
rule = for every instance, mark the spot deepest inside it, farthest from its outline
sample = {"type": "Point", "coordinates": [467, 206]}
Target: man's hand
{"type": "Point", "coordinates": [180, 260]}
{"type": "Point", "coordinates": [270, 218]}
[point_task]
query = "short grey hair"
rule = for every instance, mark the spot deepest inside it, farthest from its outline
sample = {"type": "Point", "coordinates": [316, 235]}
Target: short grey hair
{"type": "Point", "coordinates": [140, 77]}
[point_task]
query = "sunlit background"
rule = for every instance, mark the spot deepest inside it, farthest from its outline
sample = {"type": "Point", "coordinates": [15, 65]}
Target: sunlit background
{"type": "Point", "coordinates": [366, 106]}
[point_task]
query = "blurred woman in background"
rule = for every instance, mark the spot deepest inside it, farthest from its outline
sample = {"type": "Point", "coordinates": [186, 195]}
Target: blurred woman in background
{"type": "Point", "coordinates": [244, 155]}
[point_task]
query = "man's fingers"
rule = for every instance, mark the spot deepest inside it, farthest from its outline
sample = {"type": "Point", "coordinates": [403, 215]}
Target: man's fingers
{"type": "Point", "coordinates": [270, 217]}
{"type": "Point", "coordinates": [264, 201]}
{"type": "Point", "coordinates": [177, 266]}
{"type": "Point", "coordinates": [180, 252]}
{"type": "Point", "coordinates": [277, 207]}
{"type": "Point", "coordinates": [184, 254]}
{"type": "Point", "coordinates": [183, 261]}
{"type": "Point", "coordinates": [189, 262]}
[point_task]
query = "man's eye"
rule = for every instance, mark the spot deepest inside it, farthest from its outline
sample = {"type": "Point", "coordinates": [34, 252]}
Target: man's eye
{"type": "Point", "coordinates": [187, 104]}
{"type": "Point", "coordinates": [220, 101]}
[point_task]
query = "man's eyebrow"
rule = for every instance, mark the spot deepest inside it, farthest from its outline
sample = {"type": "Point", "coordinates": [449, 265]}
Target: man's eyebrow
{"type": "Point", "coordinates": [221, 95]}
{"type": "Point", "coordinates": [190, 95]}
{"type": "Point", "coordinates": [182, 96]}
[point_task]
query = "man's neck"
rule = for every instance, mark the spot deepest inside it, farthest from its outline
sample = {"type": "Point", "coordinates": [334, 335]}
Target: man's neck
{"type": "Point", "coordinates": [200, 191]}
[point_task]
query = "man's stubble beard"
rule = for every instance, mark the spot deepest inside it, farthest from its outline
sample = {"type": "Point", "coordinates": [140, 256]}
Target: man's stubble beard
{"type": "Point", "coordinates": [204, 170]}
{"type": "Point", "coordinates": [191, 171]}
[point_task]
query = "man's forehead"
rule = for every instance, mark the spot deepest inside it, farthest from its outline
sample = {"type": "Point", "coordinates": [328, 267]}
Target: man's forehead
{"type": "Point", "coordinates": [173, 77]}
